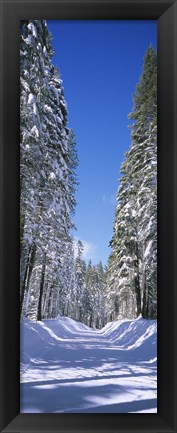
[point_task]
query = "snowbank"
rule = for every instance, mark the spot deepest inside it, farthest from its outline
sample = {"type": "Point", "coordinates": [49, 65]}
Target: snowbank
{"type": "Point", "coordinates": [68, 367]}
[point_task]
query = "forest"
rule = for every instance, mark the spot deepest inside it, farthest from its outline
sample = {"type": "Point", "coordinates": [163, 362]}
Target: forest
{"type": "Point", "coordinates": [54, 277]}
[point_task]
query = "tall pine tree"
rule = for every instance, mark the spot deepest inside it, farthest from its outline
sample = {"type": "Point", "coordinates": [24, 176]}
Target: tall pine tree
{"type": "Point", "coordinates": [133, 281]}
{"type": "Point", "coordinates": [48, 180]}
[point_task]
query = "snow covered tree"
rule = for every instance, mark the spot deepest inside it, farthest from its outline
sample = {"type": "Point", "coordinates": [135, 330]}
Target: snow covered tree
{"type": "Point", "coordinates": [111, 283]}
{"type": "Point", "coordinates": [93, 296]}
{"type": "Point", "coordinates": [87, 298]}
{"type": "Point", "coordinates": [99, 288]}
{"type": "Point", "coordinates": [80, 271]}
{"type": "Point", "coordinates": [48, 161]}
{"type": "Point", "coordinates": [133, 278]}
{"type": "Point", "coordinates": [144, 172]}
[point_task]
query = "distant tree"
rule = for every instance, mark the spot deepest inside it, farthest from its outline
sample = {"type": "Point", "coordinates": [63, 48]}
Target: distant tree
{"type": "Point", "coordinates": [88, 296]}
{"type": "Point", "coordinates": [99, 295]}
{"type": "Point", "coordinates": [80, 271]}
{"type": "Point", "coordinates": [93, 299]}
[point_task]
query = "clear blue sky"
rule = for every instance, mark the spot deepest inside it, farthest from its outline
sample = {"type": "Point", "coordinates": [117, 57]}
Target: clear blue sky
{"type": "Point", "coordinates": [100, 63]}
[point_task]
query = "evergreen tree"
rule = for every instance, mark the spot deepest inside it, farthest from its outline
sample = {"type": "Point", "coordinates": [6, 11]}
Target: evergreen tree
{"type": "Point", "coordinates": [134, 244]}
{"type": "Point", "coordinates": [111, 295]}
{"type": "Point", "coordinates": [93, 305]}
{"type": "Point", "coordinates": [99, 295]}
{"type": "Point", "coordinates": [80, 271]}
{"type": "Point", "coordinates": [88, 295]}
{"type": "Point", "coordinates": [48, 180]}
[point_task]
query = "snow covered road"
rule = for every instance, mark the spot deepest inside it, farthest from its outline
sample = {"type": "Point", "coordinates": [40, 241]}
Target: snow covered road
{"type": "Point", "coordinates": [67, 367]}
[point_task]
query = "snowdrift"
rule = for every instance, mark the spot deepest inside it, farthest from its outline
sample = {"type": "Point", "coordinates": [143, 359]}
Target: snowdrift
{"type": "Point", "coordinates": [68, 367]}
{"type": "Point", "coordinates": [138, 335]}
{"type": "Point", "coordinates": [37, 337]}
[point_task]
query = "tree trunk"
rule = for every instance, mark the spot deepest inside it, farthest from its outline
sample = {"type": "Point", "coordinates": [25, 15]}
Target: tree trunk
{"type": "Point", "coordinates": [41, 289]}
{"type": "Point", "coordinates": [148, 313]}
{"type": "Point", "coordinates": [45, 295]}
{"type": "Point", "coordinates": [49, 303]}
{"type": "Point", "coordinates": [145, 298]}
{"type": "Point", "coordinates": [137, 283]}
{"type": "Point", "coordinates": [27, 276]}
{"type": "Point", "coordinates": [138, 295]}
{"type": "Point", "coordinates": [22, 225]}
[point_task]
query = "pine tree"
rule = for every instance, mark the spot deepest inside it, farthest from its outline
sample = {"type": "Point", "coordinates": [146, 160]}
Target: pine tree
{"type": "Point", "coordinates": [134, 243]}
{"type": "Point", "coordinates": [88, 296]}
{"type": "Point", "coordinates": [144, 139]}
{"type": "Point", "coordinates": [48, 179]}
{"type": "Point", "coordinates": [93, 299]}
{"type": "Point", "coordinates": [99, 295]}
{"type": "Point", "coordinates": [111, 295]}
{"type": "Point", "coordinates": [80, 271]}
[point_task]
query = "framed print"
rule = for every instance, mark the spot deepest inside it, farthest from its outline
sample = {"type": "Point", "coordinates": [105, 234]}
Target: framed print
{"type": "Point", "coordinates": [75, 340]}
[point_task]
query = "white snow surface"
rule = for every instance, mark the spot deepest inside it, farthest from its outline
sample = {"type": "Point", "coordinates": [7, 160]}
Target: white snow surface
{"type": "Point", "coordinates": [68, 367]}
{"type": "Point", "coordinates": [32, 27]}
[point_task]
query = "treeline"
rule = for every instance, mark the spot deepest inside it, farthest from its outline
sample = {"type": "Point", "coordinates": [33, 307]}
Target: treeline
{"type": "Point", "coordinates": [89, 300]}
{"type": "Point", "coordinates": [131, 283]}
{"type": "Point", "coordinates": [54, 278]}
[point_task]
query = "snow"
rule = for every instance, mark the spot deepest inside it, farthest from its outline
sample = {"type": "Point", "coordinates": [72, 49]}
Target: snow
{"type": "Point", "coordinates": [68, 367]}
{"type": "Point", "coordinates": [39, 46]}
{"type": "Point", "coordinates": [32, 101]}
{"type": "Point", "coordinates": [35, 109]}
{"type": "Point", "coordinates": [35, 131]}
{"type": "Point", "coordinates": [47, 108]}
{"type": "Point", "coordinates": [52, 176]}
{"type": "Point", "coordinates": [28, 40]}
{"type": "Point", "coordinates": [32, 27]}
{"type": "Point", "coordinates": [25, 84]}
{"type": "Point", "coordinates": [31, 98]}
{"type": "Point", "coordinates": [148, 249]}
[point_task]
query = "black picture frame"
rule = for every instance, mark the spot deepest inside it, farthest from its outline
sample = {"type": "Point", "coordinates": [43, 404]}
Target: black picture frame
{"type": "Point", "coordinates": [166, 14]}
